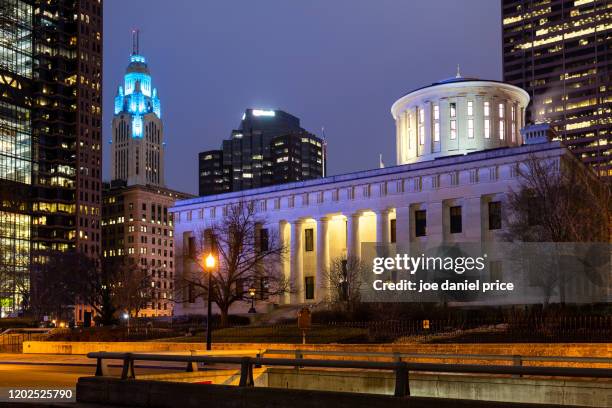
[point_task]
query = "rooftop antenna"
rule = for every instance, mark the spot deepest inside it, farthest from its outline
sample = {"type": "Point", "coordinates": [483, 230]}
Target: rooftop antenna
{"type": "Point", "coordinates": [458, 72]}
{"type": "Point", "coordinates": [135, 41]}
{"type": "Point", "coordinates": [381, 164]}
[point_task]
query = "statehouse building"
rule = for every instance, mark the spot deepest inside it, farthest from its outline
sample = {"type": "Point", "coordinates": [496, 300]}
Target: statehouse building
{"type": "Point", "coordinates": [459, 142]}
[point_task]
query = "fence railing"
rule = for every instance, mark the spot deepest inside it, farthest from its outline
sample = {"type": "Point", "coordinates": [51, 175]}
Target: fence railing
{"type": "Point", "coordinates": [512, 359]}
{"type": "Point", "coordinates": [11, 340]}
{"type": "Point", "coordinates": [401, 369]}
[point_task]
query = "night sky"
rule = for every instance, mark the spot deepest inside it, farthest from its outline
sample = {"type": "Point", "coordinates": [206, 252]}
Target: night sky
{"type": "Point", "coordinates": [337, 64]}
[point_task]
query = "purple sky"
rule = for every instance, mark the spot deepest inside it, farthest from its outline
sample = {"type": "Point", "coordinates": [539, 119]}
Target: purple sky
{"type": "Point", "coordinates": [333, 63]}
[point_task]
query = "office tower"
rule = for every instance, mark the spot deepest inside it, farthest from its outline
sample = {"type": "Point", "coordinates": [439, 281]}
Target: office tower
{"type": "Point", "coordinates": [559, 51]}
{"type": "Point", "coordinates": [135, 220]}
{"type": "Point", "coordinates": [50, 156]}
{"type": "Point", "coordinates": [269, 147]}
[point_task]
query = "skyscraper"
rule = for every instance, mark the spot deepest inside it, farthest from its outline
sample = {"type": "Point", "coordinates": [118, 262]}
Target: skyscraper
{"type": "Point", "coordinates": [137, 148]}
{"type": "Point", "coordinates": [136, 224]}
{"type": "Point", "coordinates": [50, 155]}
{"type": "Point", "coordinates": [560, 52]}
{"type": "Point", "coordinates": [269, 147]}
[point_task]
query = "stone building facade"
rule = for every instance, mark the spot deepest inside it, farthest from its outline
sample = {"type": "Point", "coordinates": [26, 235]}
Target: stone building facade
{"type": "Point", "coordinates": [449, 185]}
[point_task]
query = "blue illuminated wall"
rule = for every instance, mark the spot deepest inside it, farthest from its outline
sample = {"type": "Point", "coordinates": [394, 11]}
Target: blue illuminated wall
{"type": "Point", "coordinates": [137, 97]}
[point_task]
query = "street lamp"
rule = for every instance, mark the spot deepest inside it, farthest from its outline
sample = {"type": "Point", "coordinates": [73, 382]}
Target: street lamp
{"type": "Point", "coordinates": [252, 295]}
{"type": "Point", "coordinates": [209, 266]}
{"type": "Point", "coordinates": [126, 317]}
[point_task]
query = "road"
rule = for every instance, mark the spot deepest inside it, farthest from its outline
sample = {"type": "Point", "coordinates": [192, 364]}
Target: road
{"type": "Point", "coordinates": [45, 370]}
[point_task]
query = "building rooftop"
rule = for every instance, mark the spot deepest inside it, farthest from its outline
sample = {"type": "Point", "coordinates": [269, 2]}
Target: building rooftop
{"type": "Point", "coordinates": [480, 155]}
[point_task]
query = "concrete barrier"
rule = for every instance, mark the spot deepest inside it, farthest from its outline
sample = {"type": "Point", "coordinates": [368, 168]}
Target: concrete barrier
{"type": "Point", "coordinates": [586, 393]}
{"type": "Point", "coordinates": [526, 349]}
{"type": "Point", "coordinates": [137, 393]}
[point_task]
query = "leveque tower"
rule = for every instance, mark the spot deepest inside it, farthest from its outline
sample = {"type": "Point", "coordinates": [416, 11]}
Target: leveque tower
{"type": "Point", "coordinates": [137, 147]}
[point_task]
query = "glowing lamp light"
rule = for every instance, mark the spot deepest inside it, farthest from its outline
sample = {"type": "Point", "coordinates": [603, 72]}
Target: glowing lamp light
{"type": "Point", "coordinates": [209, 262]}
{"type": "Point", "coordinates": [126, 316]}
{"type": "Point", "coordinates": [260, 112]}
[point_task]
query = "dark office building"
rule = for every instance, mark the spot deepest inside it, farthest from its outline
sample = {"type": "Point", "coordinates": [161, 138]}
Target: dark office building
{"type": "Point", "coordinates": [50, 152]}
{"type": "Point", "coordinates": [560, 52]}
{"type": "Point", "coordinates": [269, 147]}
{"type": "Point", "coordinates": [214, 176]}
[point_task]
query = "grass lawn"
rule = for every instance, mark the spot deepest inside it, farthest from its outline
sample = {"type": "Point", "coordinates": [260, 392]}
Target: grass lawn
{"type": "Point", "coordinates": [281, 334]}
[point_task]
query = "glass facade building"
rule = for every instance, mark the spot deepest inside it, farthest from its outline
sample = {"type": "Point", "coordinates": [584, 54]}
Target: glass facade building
{"type": "Point", "coordinates": [50, 156]}
{"type": "Point", "coordinates": [559, 51]}
{"type": "Point", "coordinates": [269, 147]}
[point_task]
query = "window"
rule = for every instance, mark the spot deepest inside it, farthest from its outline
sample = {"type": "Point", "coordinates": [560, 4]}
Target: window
{"type": "Point", "coordinates": [453, 110]}
{"type": "Point", "coordinates": [309, 232]}
{"type": "Point", "coordinates": [436, 123]}
{"type": "Point", "coordinates": [309, 287]}
{"type": "Point", "coordinates": [264, 239]}
{"type": "Point", "coordinates": [421, 126]}
{"type": "Point", "coordinates": [453, 129]}
{"type": "Point", "coordinates": [420, 223]}
{"type": "Point", "coordinates": [470, 108]}
{"type": "Point", "coordinates": [393, 231]}
{"type": "Point", "coordinates": [455, 220]}
{"type": "Point", "coordinates": [471, 128]}
{"type": "Point", "coordinates": [487, 109]}
{"type": "Point", "coordinates": [501, 129]}
{"type": "Point", "coordinates": [502, 110]}
{"type": "Point", "coordinates": [494, 215]}
{"type": "Point", "coordinates": [487, 129]}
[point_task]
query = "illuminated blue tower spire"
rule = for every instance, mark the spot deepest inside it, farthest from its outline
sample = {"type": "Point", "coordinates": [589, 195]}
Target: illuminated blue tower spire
{"type": "Point", "coordinates": [137, 145]}
{"type": "Point", "coordinates": [137, 96]}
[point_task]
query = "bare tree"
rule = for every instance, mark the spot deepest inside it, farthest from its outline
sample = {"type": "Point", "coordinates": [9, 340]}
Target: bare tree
{"type": "Point", "coordinates": [131, 288]}
{"type": "Point", "coordinates": [345, 277]}
{"type": "Point", "coordinates": [249, 255]}
{"type": "Point", "coordinates": [558, 202]}
{"type": "Point", "coordinates": [55, 282]}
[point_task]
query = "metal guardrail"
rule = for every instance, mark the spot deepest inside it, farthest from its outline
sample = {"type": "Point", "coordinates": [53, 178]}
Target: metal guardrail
{"type": "Point", "coordinates": [400, 368]}
{"type": "Point", "coordinates": [516, 359]}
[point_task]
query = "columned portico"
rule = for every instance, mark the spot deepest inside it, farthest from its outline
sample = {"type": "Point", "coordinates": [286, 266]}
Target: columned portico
{"type": "Point", "coordinates": [352, 235]}
{"type": "Point", "coordinates": [297, 262]}
{"type": "Point", "coordinates": [321, 279]}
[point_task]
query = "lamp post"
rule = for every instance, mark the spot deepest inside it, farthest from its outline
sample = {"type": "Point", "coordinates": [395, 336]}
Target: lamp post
{"type": "Point", "coordinates": [252, 295]}
{"type": "Point", "coordinates": [209, 265]}
{"type": "Point", "coordinates": [126, 317]}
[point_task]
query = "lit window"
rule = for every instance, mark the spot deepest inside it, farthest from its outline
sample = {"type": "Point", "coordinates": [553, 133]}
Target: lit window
{"type": "Point", "coordinates": [501, 110]}
{"type": "Point", "coordinates": [421, 127]}
{"type": "Point", "coordinates": [487, 109]}
{"type": "Point", "coordinates": [501, 130]}
{"type": "Point", "coordinates": [436, 123]}
{"type": "Point", "coordinates": [453, 129]}
{"type": "Point", "coordinates": [487, 129]}
{"type": "Point", "coordinates": [471, 128]}
{"type": "Point", "coordinates": [453, 110]}
{"type": "Point", "coordinates": [470, 108]}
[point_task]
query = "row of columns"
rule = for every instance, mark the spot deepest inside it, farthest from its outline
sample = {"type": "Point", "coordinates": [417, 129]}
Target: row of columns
{"type": "Point", "coordinates": [473, 230]}
{"type": "Point", "coordinates": [353, 248]}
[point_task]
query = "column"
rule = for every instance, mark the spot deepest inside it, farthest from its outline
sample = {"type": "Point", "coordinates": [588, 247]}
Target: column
{"type": "Point", "coordinates": [402, 226]}
{"type": "Point", "coordinates": [383, 235]}
{"type": "Point", "coordinates": [353, 246]}
{"type": "Point", "coordinates": [472, 219]}
{"type": "Point", "coordinates": [297, 264]}
{"type": "Point", "coordinates": [322, 277]}
{"type": "Point", "coordinates": [435, 223]}
{"type": "Point", "coordinates": [285, 269]}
